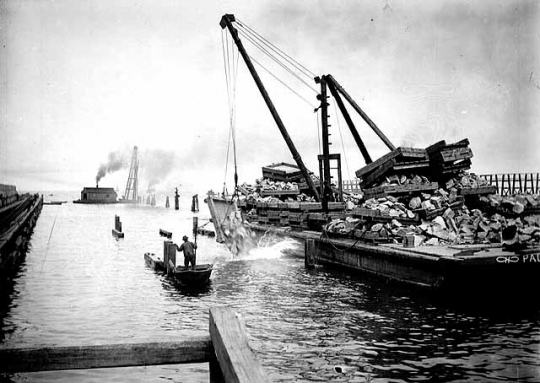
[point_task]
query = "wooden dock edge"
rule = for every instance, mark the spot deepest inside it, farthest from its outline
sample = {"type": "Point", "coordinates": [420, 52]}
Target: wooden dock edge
{"type": "Point", "coordinates": [194, 350]}
{"type": "Point", "coordinates": [237, 361]}
{"type": "Point", "coordinates": [226, 349]}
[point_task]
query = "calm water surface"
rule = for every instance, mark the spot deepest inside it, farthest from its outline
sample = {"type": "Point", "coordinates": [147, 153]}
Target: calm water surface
{"type": "Point", "coordinates": [81, 286]}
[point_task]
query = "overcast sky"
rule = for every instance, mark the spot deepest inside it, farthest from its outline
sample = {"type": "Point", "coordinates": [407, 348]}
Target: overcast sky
{"type": "Point", "coordinates": [82, 79]}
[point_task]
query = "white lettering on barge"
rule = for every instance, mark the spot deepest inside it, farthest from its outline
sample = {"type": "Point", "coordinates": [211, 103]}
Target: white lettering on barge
{"type": "Point", "coordinates": [525, 258]}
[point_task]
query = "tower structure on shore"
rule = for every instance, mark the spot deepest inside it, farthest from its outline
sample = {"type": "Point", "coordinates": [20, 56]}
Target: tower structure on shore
{"type": "Point", "coordinates": [132, 185]}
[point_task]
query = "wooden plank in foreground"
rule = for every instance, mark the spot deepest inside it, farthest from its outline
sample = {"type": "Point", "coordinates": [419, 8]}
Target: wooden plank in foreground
{"type": "Point", "coordinates": [194, 350]}
{"type": "Point", "coordinates": [237, 361]}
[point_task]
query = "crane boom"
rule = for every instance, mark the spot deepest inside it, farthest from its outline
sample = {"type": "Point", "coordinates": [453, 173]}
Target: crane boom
{"type": "Point", "coordinates": [226, 22]}
{"type": "Point", "coordinates": [353, 103]}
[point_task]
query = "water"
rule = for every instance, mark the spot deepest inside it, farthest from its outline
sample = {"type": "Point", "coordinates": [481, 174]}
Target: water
{"type": "Point", "coordinates": [81, 286]}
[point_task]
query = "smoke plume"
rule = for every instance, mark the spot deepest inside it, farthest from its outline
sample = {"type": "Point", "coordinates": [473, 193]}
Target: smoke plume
{"type": "Point", "coordinates": [156, 165]}
{"type": "Point", "coordinates": [116, 161]}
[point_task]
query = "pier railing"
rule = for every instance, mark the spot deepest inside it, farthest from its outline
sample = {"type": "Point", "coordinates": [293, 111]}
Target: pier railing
{"type": "Point", "coordinates": [512, 183]}
{"type": "Point", "coordinates": [351, 186]}
{"type": "Point", "coordinates": [226, 350]}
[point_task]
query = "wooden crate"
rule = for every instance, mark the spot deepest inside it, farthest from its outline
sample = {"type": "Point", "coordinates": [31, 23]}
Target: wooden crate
{"type": "Point", "coordinates": [293, 205]}
{"type": "Point", "coordinates": [450, 155]}
{"type": "Point", "coordinates": [363, 212]}
{"type": "Point", "coordinates": [282, 172]}
{"type": "Point", "coordinates": [336, 205]}
{"type": "Point", "coordinates": [310, 206]}
{"type": "Point", "coordinates": [279, 193]}
{"type": "Point", "coordinates": [401, 154]}
{"type": "Point", "coordinates": [317, 217]}
{"type": "Point", "coordinates": [384, 191]}
{"type": "Point", "coordinates": [490, 189]}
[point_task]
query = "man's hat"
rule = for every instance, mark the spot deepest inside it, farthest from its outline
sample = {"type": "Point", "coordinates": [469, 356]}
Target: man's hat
{"type": "Point", "coordinates": [184, 237]}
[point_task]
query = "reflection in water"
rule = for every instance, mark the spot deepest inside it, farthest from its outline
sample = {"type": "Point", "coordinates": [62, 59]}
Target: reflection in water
{"type": "Point", "coordinates": [305, 325]}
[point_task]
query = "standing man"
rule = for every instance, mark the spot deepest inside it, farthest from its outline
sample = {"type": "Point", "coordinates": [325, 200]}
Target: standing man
{"type": "Point", "coordinates": [189, 252]}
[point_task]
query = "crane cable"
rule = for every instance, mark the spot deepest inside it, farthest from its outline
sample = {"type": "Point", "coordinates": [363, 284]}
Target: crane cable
{"type": "Point", "coordinates": [299, 66]}
{"type": "Point", "coordinates": [341, 137]}
{"type": "Point", "coordinates": [230, 79]}
{"type": "Point", "coordinates": [276, 60]}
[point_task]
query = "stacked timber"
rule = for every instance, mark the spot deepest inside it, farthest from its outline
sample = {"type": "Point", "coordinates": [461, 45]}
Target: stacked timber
{"type": "Point", "coordinates": [282, 171]}
{"type": "Point", "coordinates": [447, 159]}
{"type": "Point", "coordinates": [398, 162]}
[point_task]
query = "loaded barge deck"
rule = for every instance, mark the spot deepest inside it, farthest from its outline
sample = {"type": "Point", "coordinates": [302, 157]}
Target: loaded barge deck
{"type": "Point", "coordinates": [473, 268]}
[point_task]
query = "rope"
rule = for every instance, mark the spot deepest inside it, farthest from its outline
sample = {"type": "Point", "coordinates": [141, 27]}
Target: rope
{"type": "Point", "coordinates": [341, 137]}
{"type": "Point", "coordinates": [282, 82]}
{"type": "Point", "coordinates": [48, 241]}
{"type": "Point", "coordinates": [232, 74]}
{"type": "Point", "coordinates": [299, 66]}
{"type": "Point", "coordinates": [280, 63]}
{"type": "Point", "coordinates": [325, 234]}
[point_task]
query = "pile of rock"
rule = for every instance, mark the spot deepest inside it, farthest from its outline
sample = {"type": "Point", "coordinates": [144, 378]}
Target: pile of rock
{"type": "Point", "coordinates": [402, 179]}
{"type": "Point", "coordinates": [466, 180]}
{"type": "Point", "coordinates": [516, 204]}
{"type": "Point", "coordinates": [452, 223]}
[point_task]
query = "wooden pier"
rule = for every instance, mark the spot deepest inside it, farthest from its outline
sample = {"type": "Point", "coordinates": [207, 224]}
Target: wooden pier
{"type": "Point", "coordinates": [226, 350]}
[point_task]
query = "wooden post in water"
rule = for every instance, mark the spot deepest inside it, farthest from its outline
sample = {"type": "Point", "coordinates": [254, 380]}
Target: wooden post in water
{"type": "Point", "coordinates": [117, 231]}
{"type": "Point", "coordinates": [310, 252]}
{"type": "Point", "coordinates": [236, 360]}
{"type": "Point", "coordinates": [171, 257]}
{"type": "Point", "coordinates": [166, 254]}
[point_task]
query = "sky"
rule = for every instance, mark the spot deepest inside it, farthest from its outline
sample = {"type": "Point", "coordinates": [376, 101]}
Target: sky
{"type": "Point", "coordinates": [83, 80]}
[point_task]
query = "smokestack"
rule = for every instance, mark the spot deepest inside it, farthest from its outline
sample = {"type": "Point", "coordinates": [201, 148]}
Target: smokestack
{"type": "Point", "coordinates": [97, 184]}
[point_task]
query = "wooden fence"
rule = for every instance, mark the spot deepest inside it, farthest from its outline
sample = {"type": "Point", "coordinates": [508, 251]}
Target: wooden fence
{"type": "Point", "coordinates": [226, 350]}
{"type": "Point", "coordinates": [351, 186]}
{"type": "Point", "coordinates": [513, 183]}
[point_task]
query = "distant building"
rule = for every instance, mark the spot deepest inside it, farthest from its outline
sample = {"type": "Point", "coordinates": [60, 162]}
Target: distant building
{"type": "Point", "coordinates": [97, 195]}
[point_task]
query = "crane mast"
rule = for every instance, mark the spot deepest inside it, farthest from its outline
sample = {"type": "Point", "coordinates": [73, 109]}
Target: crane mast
{"type": "Point", "coordinates": [226, 22]}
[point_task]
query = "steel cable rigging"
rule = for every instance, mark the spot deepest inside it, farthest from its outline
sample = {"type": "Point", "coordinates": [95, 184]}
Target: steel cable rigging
{"type": "Point", "coordinates": [230, 61]}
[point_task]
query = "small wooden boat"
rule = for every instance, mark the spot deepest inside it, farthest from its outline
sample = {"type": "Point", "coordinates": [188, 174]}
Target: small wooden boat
{"type": "Point", "coordinates": [189, 277]}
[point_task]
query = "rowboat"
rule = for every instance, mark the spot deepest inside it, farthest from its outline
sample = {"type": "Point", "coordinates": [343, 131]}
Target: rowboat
{"type": "Point", "coordinates": [189, 277]}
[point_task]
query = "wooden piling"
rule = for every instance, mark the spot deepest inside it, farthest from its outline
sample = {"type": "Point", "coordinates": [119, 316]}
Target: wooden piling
{"type": "Point", "coordinates": [236, 360]}
{"type": "Point", "coordinates": [117, 231]}
{"type": "Point", "coordinates": [310, 253]}
{"type": "Point", "coordinates": [170, 249]}
{"type": "Point", "coordinates": [166, 254]}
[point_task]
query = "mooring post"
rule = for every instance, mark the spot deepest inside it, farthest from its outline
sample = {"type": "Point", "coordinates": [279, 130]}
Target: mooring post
{"type": "Point", "coordinates": [310, 253]}
{"type": "Point", "coordinates": [166, 254]}
{"type": "Point", "coordinates": [117, 231]}
{"type": "Point", "coordinates": [171, 256]}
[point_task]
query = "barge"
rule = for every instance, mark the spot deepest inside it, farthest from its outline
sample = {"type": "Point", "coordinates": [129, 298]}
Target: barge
{"type": "Point", "coordinates": [418, 216]}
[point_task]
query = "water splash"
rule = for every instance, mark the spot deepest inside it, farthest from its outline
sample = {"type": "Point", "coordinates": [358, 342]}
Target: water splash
{"type": "Point", "coordinates": [239, 238]}
{"type": "Point", "coordinates": [243, 244]}
{"type": "Point", "coordinates": [272, 247]}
